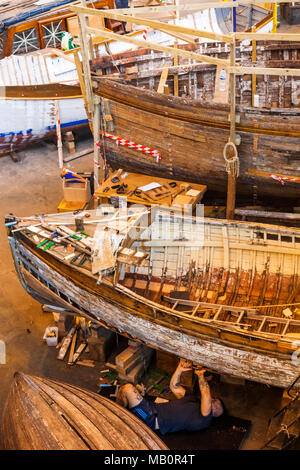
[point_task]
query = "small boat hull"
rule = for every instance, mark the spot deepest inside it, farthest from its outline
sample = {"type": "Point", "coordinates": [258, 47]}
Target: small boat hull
{"type": "Point", "coordinates": [43, 414]}
{"type": "Point", "coordinates": [30, 121]}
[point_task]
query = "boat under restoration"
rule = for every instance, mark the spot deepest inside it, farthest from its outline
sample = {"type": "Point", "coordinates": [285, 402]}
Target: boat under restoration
{"type": "Point", "coordinates": [225, 294]}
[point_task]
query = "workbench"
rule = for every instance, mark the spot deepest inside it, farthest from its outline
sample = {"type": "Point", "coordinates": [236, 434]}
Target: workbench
{"type": "Point", "coordinates": [148, 190]}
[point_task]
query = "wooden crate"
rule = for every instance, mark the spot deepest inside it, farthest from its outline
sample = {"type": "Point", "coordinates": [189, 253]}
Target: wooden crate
{"type": "Point", "coordinates": [70, 206]}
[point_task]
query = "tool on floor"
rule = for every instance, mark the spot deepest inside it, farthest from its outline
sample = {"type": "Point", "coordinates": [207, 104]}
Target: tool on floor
{"type": "Point", "coordinates": [158, 378]}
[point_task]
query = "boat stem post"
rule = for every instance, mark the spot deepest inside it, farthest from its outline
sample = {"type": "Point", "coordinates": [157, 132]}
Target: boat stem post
{"type": "Point", "coordinates": [231, 183]}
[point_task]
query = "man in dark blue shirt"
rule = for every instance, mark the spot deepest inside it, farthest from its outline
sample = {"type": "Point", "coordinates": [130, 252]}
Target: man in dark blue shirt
{"type": "Point", "coordinates": [186, 413]}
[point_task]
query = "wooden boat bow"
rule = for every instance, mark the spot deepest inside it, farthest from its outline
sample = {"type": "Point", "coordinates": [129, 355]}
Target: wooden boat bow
{"type": "Point", "coordinates": [44, 414]}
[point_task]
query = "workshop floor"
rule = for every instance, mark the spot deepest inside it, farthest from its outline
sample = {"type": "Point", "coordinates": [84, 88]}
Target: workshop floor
{"type": "Point", "coordinates": [33, 186]}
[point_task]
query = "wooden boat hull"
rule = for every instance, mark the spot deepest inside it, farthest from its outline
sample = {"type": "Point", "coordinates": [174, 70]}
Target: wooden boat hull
{"type": "Point", "coordinates": [32, 118]}
{"type": "Point", "coordinates": [53, 283]}
{"type": "Point", "coordinates": [180, 127]}
{"type": "Point", "coordinates": [43, 414]}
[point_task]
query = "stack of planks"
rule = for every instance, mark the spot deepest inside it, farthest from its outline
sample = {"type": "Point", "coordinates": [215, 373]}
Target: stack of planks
{"type": "Point", "coordinates": [132, 363]}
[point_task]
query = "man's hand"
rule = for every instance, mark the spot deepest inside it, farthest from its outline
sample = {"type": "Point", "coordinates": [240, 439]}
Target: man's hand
{"type": "Point", "coordinates": [200, 372]}
{"type": "Point", "coordinates": [184, 365]}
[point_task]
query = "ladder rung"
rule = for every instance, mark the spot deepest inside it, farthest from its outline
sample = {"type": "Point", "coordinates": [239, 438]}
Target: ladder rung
{"type": "Point", "coordinates": [262, 324]}
{"type": "Point", "coordinates": [285, 328]}
{"type": "Point", "coordinates": [241, 316]}
{"type": "Point", "coordinates": [195, 309]}
{"type": "Point", "coordinates": [218, 313]}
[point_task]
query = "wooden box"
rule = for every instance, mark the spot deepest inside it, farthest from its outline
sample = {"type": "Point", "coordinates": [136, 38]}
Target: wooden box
{"type": "Point", "coordinates": [76, 192]}
{"type": "Point", "coordinates": [100, 347]}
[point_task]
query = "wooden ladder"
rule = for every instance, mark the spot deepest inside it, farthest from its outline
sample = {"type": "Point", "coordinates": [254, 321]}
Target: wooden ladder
{"type": "Point", "coordinates": [240, 312]}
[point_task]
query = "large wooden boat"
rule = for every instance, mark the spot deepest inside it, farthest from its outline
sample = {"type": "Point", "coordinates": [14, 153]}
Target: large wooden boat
{"type": "Point", "coordinates": [34, 73]}
{"type": "Point", "coordinates": [223, 294]}
{"type": "Point", "coordinates": [196, 122]}
{"type": "Point", "coordinates": [43, 414]}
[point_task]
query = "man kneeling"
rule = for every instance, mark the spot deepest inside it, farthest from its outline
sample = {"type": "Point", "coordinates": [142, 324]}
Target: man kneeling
{"type": "Point", "coordinates": [186, 413]}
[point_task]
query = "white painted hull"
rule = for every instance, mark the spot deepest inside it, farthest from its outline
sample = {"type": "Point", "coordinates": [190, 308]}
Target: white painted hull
{"type": "Point", "coordinates": [28, 121]}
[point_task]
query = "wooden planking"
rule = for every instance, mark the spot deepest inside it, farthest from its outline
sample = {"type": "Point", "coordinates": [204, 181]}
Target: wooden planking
{"type": "Point", "coordinates": [68, 418]}
{"type": "Point", "coordinates": [165, 126]}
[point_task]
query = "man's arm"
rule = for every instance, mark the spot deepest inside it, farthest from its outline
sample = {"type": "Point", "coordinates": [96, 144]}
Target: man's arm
{"type": "Point", "coordinates": [205, 393]}
{"type": "Point", "coordinates": [176, 388]}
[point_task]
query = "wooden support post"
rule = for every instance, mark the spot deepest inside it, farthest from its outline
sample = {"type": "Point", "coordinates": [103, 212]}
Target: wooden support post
{"type": "Point", "coordinates": [58, 133]}
{"type": "Point", "coordinates": [176, 75]}
{"type": "Point", "coordinates": [69, 141]}
{"type": "Point", "coordinates": [231, 184]}
{"type": "Point", "coordinates": [85, 52]}
{"type": "Point", "coordinates": [253, 76]}
{"type": "Point", "coordinates": [98, 170]}
{"type": "Point", "coordinates": [81, 81]}
{"type": "Point", "coordinates": [163, 79]}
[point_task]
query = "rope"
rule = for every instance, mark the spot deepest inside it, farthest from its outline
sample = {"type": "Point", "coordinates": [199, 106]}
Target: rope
{"type": "Point", "coordinates": [232, 165]}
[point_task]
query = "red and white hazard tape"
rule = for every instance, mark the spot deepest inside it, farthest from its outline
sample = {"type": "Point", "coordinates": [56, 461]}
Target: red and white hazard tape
{"type": "Point", "coordinates": [283, 179]}
{"type": "Point", "coordinates": [134, 145]}
{"type": "Point", "coordinates": [145, 34]}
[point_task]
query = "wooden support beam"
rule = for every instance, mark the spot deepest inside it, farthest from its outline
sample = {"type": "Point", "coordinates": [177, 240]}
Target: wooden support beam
{"type": "Point", "coordinates": [264, 71]}
{"type": "Point", "coordinates": [290, 37]}
{"type": "Point", "coordinates": [96, 133]}
{"type": "Point", "coordinates": [163, 79]}
{"type": "Point", "coordinates": [176, 75]}
{"type": "Point", "coordinates": [81, 81]}
{"type": "Point", "coordinates": [58, 134]}
{"type": "Point", "coordinates": [231, 182]}
{"type": "Point", "coordinates": [152, 24]}
{"type": "Point", "coordinates": [253, 76]}
{"type": "Point", "coordinates": [183, 37]}
{"type": "Point", "coordinates": [190, 7]}
{"type": "Point", "coordinates": [160, 47]}
{"type": "Point", "coordinates": [85, 51]}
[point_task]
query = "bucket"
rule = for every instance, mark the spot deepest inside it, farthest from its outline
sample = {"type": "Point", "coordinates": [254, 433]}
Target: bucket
{"type": "Point", "coordinates": [52, 340]}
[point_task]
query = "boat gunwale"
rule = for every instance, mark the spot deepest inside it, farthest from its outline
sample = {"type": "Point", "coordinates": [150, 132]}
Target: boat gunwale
{"type": "Point", "coordinates": [115, 92]}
